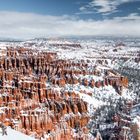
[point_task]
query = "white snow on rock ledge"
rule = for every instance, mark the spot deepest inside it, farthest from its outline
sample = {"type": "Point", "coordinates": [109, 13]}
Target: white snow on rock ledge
{"type": "Point", "coordinates": [136, 121]}
{"type": "Point", "coordinates": [14, 135]}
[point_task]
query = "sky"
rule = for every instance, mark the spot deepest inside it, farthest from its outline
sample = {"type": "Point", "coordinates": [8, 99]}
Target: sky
{"type": "Point", "coordinates": [24, 19]}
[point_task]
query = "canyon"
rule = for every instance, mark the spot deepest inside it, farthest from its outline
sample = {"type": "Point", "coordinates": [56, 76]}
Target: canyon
{"type": "Point", "coordinates": [52, 89]}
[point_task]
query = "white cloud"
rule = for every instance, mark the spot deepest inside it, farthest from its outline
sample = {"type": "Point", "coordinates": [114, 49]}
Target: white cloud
{"type": "Point", "coordinates": [132, 16]}
{"type": "Point", "coordinates": [29, 25]}
{"type": "Point", "coordinates": [82, 8]}
{"type": "Point", "coordinates": [104, 6]}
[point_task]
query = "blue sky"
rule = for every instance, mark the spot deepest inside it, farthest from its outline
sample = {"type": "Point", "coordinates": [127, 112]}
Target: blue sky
{"type": "Point", "coordinates": [41, 18]}
{"type": "Point", "coordinates": [49, 7]}
{"type": "Point", "coordinates": [72, 7]}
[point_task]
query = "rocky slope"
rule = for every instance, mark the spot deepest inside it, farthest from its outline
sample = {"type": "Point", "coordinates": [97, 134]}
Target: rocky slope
{"type": "Point", "coordinates": [54, 88]}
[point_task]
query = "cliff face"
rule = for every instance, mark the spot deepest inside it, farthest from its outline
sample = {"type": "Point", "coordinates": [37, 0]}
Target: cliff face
{"type": "Point", "coordinates": [29, 102]}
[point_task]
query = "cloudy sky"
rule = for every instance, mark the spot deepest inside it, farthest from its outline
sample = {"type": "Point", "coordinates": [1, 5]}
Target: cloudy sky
{"type": "Point", "coordinates": [42, 18]}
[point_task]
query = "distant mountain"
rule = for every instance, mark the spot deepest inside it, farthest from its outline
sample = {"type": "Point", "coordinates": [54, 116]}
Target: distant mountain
{"type": "Point", "coordinates": [10, 40]}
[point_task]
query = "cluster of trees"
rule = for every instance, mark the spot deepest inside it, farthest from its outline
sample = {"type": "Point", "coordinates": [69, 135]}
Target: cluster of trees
{"type": "Point", "coordinates": [116, 110]}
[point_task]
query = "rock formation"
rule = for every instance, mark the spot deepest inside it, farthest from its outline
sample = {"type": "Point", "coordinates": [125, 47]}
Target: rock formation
{"type": "Point", "coordinates": [29, 102]}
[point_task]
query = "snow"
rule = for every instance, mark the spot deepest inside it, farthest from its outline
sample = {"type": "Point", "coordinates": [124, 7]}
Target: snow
{"type": "Point", "coordinates": [126, 94]}
{"type": "Point", "coordinates": [135, 111]}
{"type": "Point", "coordinates": [92, 50]}
{"type": "Point", "coordinates": [97, 97]}
{"type": "Point", "coordinates": [131, 64]}
{"type": "Point", "coordinates": [14, 135]}
{"type": "Point", "coordinates": [136, 120]}
{"type": "Point", "coordinates": [92, 102]}
{"type": "Point", "coordinates": [90, 77]}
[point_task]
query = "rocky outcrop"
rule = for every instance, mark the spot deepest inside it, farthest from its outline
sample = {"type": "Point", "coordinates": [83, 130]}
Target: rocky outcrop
{"type": "Point", "coordinates": [29, 101]}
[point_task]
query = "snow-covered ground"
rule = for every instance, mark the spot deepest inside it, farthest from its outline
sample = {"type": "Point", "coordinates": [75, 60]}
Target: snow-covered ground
{"type": "Point", "coordinates": [92, 49]}
{"type": "Point", "coordinates": [14, 135]}
{"type": "Point", "coordinates": [112, 53]}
